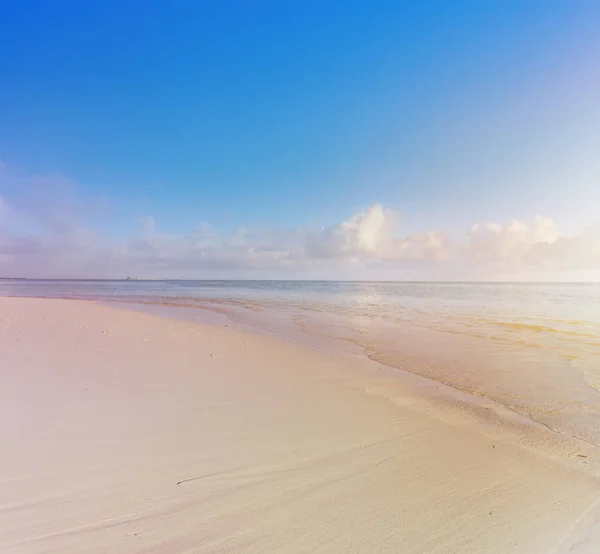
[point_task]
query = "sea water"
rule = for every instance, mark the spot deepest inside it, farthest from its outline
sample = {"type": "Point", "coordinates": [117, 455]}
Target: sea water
{"type": "Point", "coordinates": [532, 347]}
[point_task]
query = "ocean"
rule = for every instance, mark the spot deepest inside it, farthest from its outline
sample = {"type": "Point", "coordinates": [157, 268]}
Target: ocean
{"type": "Point", "coordinates": [533, 347]}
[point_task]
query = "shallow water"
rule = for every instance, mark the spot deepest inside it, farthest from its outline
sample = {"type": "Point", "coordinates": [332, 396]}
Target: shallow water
{"type": "Point", "coordinates": [532, 347]}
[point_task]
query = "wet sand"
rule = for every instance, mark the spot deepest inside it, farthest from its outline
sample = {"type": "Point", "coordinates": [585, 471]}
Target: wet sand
{"type": "Point", "coordinates": [127, 432]}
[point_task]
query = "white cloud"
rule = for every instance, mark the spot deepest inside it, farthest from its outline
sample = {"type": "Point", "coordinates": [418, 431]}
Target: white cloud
{"type": "Point", "coordinates": [430, 246]}
{"type": "Point", "coordinates": [44, 234]}
{"type": "Point", "coordinates": [366, 239]}
{"type": "Point", "coordinates": [576, 252]}
{"type": "Point", "coordinates": [510, 243]}
{"type": "Point", "coordinates": [365, 234]}
{"type": "Point", "coordinates": [370, 236]}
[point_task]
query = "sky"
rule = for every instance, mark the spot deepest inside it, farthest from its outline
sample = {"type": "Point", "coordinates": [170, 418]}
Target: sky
{"type": "Point", "coordinates": [300, 139]}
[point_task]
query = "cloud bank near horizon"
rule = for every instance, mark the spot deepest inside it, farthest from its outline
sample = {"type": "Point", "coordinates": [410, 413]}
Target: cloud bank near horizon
{"type": "Point", "coordinates": [45, 235]}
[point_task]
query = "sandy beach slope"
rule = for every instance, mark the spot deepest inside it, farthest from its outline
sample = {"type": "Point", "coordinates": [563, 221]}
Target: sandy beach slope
{"type": "Point", "coordinates": [123, 432]}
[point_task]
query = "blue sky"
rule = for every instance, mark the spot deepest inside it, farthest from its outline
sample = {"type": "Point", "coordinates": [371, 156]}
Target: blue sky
{"type": "Point", "coordinates": [284, 115]}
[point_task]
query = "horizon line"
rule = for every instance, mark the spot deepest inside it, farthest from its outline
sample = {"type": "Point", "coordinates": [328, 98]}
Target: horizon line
{"type": "Point", "coordinates": [408, 281]}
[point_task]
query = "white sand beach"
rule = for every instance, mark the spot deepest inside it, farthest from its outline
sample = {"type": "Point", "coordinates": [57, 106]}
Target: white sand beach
{"type": "Point", "coordinates": [124, 432]}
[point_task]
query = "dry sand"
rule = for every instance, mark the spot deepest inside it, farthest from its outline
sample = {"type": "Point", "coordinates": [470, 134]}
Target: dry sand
{"type": "Point", "coordinates": [125, 432]}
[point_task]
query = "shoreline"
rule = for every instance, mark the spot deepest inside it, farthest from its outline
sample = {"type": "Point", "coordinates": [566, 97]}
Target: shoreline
{"type": "Point", "coordinates": [544, 385]}
{"type": "Point", "coordinates": [442, 399]}
{"type": "Point", "coordinates": [532, 461]}
{"type": "Point", "coordinates": [441, 396]}
{"type": "Point", "coordinates": [534, 352]}
{"type": "Point", "coordinates": [420, 384]}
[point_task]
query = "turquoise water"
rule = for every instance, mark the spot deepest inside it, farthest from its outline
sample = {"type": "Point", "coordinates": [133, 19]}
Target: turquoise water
{"type": "Point", "coordinates": [533, 347]}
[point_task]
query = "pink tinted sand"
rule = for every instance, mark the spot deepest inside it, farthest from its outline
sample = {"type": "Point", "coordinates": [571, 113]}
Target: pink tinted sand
{"type": "Point", "coordinates": [125, 432]}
